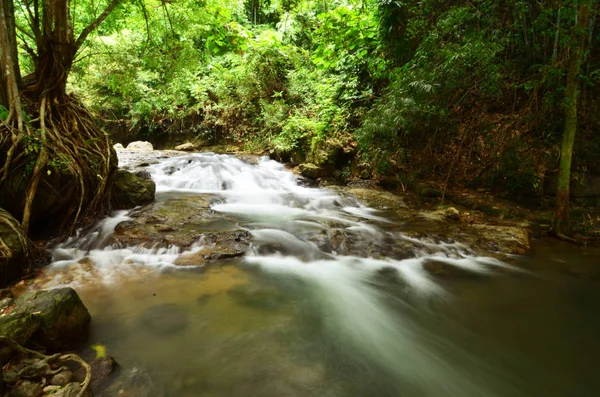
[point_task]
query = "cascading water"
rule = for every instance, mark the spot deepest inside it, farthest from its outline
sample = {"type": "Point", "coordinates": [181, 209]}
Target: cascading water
{"type": "Point", "coordinates": [332, 255]}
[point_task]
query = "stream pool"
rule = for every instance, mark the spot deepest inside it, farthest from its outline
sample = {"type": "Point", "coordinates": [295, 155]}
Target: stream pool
{"type": "Point", "coordinates": [296, 316]}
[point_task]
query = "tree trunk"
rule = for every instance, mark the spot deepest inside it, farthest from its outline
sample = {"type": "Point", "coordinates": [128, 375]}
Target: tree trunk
{"type": "Point", "coordinates": [561, 221]}
{"type": "Point", "coordinates": [10, 63]}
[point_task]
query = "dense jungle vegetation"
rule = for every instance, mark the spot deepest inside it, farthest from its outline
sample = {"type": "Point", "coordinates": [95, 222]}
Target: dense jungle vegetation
{"type": "Point", "coordinates": [473, 93]}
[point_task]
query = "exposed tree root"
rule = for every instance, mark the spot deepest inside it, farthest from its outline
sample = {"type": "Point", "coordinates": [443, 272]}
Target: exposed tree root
{"type": "Point", "coordinates": [63, 140]}
{"type": "Point", "coordinates": [43, 367]}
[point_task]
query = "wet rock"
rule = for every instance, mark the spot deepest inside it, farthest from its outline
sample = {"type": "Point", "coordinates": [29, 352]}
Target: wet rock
{"type": "Point", "coordinates": [378, 199]}
{"type": "Point", "coordinates": [51, 319]}
{"type": "Point", "coordinates": [452, 213]}
{"type": "Point", "coordinates": [165, 319]}
{"type": "Point", "coordinates": [104, 370]}
{"type": "Point", "coordinates": [26, 389]}
{"type": "Point", "coordinates": [310, 170]}
{"type": "Point", "coordinates": [141, 146]}
{"type": "Point", "coordinates": [186, 147]}
{"type": "Point", "coordinates": [131, 190]}
{"type": "Point", "coordinates": [118, 146]}
{"type": "Point", "coordinates": [503, 239]}
{"type": "Point", "coordinates": [180, 223]}
{"type": "Point", "coordinates": [220, 246]}
{"type": "Point", "coordinates": [15, 258]}
{"type": "Point", "coordinates": [61, 378]}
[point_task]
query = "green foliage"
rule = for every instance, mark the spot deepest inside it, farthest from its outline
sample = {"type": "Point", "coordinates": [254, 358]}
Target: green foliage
{"type": "Point", "coordinates": [293, 75]}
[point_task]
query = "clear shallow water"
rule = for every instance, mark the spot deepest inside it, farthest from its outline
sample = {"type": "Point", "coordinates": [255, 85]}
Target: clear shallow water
{"type": "Point", "coordinates": [295, 317]}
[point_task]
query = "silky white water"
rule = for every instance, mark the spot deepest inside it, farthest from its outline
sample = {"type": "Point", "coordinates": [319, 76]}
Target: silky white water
{"type": "Point", "coordinates": [374, 317]}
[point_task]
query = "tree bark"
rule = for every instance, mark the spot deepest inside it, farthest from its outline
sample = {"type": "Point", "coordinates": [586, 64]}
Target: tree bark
{"type": "Point", "coordinates": [561, 223]}
{"type": "Point", "coordinates": [10, 63]}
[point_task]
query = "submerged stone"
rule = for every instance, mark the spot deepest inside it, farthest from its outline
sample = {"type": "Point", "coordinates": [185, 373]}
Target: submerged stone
{"type": "Point", "coordinates": [165, 319]}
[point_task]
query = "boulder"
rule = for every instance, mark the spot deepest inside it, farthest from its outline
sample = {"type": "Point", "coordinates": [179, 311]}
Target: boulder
{"type": "Point", "coordinates": [15, 249]}
{"type": "Point", "coordinates": [131, 190]}
{"type": "Point", "coordinates": [310, 170]}
{"type": "Point", "coordinates": [118, 146]}
{"type": "Point", "coordinates": [218, 246]}
{"type": "Point", "coordinates": [52, 319]}
{"type": "Point", "coordinates": [142, 146]}
{"type": "Point", "coordinates": [186, 147]}
{"type": "Point", "coordinates": [452, 213]}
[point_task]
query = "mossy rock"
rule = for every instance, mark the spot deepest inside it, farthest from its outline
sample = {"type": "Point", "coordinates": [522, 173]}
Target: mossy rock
{"type": "Point", "coordinates": [15, 249]}
{"type": "Point", "coordinates": [52, 319]}
{"type": "Point", "coordinates": [131, 190]}
{"type": "Point", "coordinates": [310, 170]}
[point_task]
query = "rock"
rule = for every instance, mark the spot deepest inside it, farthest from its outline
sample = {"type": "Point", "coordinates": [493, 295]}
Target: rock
{"type": "Point", "coordinates": [61, 378]}
{"type": "Point", "coordinates": [52, 319]}
{"type": "Point", "coordinates": [186, 147]}
{"type": "Point", "coordinates": [102, 370]}
{"type": "Point", "coordinates": [310, 170]}
{"type": "Point", "coordinates": [379, 199]}
{"type": "Point", "coordinates": [26, 389]}
{"type": "Point", "coordinates": [452, 213]}
{"type": "Point", "coordinates": [141, 146]}
{"type": "Point", "coordinates": [365, 174]}
{"type": "Point", "coordinates": [131, 190]}
{"type": "Point", "coordinates": [118, 146]}
{"type": "Point", "coordinates": [504, 239]}
{"type": "Point", "coordinates": [219, 246]}
{"type": "Point", "coordinates": [15, 259]}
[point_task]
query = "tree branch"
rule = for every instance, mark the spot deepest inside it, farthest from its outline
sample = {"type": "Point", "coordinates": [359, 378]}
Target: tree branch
{"type": "Point", "coordinates": [92, 26]}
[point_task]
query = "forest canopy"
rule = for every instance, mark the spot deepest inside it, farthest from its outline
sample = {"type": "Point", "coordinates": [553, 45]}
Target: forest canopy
{"type": "Point", "coordinates": [470, 92]}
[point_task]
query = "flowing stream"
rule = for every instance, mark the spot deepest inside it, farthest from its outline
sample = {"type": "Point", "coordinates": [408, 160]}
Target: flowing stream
{"type": "Point", "coordinates": [332, 298]}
